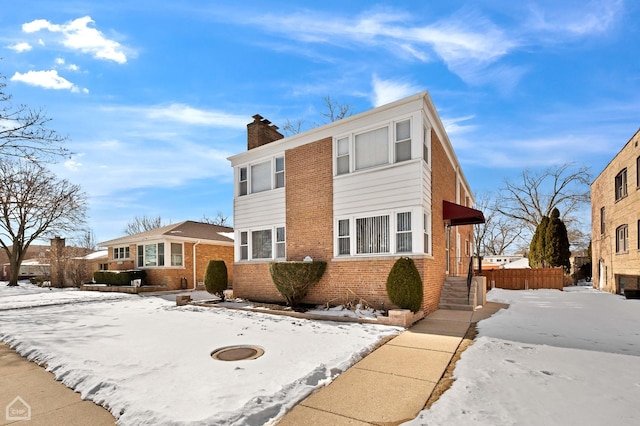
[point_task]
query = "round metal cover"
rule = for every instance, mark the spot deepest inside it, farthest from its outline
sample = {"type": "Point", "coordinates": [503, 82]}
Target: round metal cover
{"type": "Point", "coordinates": [237, 353]}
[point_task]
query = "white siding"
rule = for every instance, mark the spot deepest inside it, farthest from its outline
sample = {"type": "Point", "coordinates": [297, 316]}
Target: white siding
{"type": "Point", "coordinates": [263, 209]}
{"type": "Point", "coordinates": [382, 188]}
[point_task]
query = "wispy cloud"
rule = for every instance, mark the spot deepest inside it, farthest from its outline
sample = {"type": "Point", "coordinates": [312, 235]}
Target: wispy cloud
{"type": "Point", "coordinates": [46, 79]}
{"type": "Point", "coordinates": [181, 113]}
{"type": "Point", "coordinates": [80, 35]}
{"type": "Point", "coordinates": [20, 47]}
{"type": "Point", "coordinates": [386, 91]}
{"type": "Point", "coordinates": [575, 18]}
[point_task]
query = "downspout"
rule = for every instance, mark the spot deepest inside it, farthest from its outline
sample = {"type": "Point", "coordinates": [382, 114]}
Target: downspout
{"type": "Point", "coordinates": [195, 279]}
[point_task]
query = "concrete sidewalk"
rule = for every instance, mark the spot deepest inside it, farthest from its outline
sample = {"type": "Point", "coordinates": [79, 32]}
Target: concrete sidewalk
{"type": "Point", "coordinates": [394, 382]}
{"type": "Point", "coordinates": [30, 395]}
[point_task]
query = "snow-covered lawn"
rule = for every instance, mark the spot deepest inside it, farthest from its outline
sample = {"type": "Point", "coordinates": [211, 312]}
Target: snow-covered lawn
{"type": "Point", "coordinates": [149, 361]}
{"type": "Point", "coordinates": [552, 358]}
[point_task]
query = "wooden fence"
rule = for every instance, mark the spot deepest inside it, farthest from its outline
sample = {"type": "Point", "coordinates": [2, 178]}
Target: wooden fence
{"type": "Point", "coordinates": [524, 279]}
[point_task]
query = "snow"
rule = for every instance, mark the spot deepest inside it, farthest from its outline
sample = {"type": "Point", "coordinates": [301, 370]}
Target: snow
{"type": "Point", "coordinates": [149, 361]}
{"type": "Point", "coordinates": [553, 357]}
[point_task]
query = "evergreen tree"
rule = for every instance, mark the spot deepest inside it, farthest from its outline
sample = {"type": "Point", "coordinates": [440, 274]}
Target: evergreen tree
{"type": "Point", "coordinates": [556, 249]}
{"type": "Point", "coordinates": [537, 246]}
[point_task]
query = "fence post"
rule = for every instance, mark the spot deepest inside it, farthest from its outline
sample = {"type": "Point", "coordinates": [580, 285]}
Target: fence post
{"type": "Point", "coordinates": [526, 284]}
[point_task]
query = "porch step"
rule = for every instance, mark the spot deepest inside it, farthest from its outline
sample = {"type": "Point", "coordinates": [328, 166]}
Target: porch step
{"type": "Point", "coordinates": [456, 295]}
{"type": "Point", "coordinates": [455, 307]}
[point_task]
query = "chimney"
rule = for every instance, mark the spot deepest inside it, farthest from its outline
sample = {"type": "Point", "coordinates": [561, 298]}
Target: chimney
{"type": "Point", "coordinates": [261, 132]}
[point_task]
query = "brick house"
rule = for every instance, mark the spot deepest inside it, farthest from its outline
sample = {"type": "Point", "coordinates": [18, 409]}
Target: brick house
{"type": "Point", "coordinates": [175, 256]}
{"type": "Point", "coordinates": [357, 193]}
{"type": "Point", "coordinates": [615, 221]}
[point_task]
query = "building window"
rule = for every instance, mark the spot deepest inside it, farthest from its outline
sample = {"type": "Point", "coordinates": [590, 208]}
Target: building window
{"type": "Point", "coordinates": [103, 267]}
{"type": "Point", "coordinates": [403, 234]}
{"type": "Point", "coordinates": [140, 256]}
{"type": "Point", "coordinates": [638, 172]}
{"type": "Point", "coordinates": [153, 255]}
{"type": "Point", "coordinates": [261, 177]}
{"type": "Point", "coordinates": [121, 252]}
{"type": "Point", "coordinates": [281, 245]}
{"type": "Point", "coordinates": [261, 244]}
{"type": "Point", "coordinates": [426, 140]}
{"type": "Point", "coordinates": [176, 254]}
{"type": "Point", "coordinates": [342, 156]}
{"type": "Point", "coordinates": [344, 239]}
{"type": "Point", "coordinates": [244, 246]}
{"type": "Point", "coordinates": [426, 227]}
{"type": "Point", "coordinates": [279, 175]}
{"type": "Point", "coordinates": [403, 141]}
{"type": "Point", "coordinates": [372, 235]}
{"type": "Point", "coordinates": [243, 181]}
{"type": "Point", "coordinates": [372, 148]}
{"type": "Point", "coordinates": [638, 239]}
{"type": "Point", "coordinates": [622, 239]}
{"type": "Point", "coordinates": [621, 184]}
{"type": "Point", "coordinates": [602, 223]}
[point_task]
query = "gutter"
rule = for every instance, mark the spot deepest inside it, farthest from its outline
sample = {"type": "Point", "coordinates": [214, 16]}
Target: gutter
{"type": "Point", "coordinates": [195, 280]}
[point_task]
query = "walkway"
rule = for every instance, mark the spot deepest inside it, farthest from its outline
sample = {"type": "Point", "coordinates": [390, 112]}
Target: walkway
{"type": "Point", "coordinates": [393, 383]}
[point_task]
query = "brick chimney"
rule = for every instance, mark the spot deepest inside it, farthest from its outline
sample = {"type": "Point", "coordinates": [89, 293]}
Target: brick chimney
{"type": "Point", "coordinates": [261, 132]}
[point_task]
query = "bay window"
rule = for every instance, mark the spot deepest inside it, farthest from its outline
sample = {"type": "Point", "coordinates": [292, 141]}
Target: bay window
{"type": "Point", "coordinates": [370, 235]}
{"type": "Point", "coordinates": [262, 244]}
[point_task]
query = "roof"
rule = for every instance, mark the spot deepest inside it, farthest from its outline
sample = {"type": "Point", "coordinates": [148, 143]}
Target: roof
{"type": "Point", "coordinates": [518, 264]}
{"type": "Point", "coordinates": [186, 230]}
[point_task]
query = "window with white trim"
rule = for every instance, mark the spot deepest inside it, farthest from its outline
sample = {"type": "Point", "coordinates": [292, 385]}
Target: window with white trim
{"type": "Point", "coordinates": [403, 141]}
{"type": "Point", "coordinates": [121, 252]}
{"type": "Point", "coordinates": [242, 181]}
{"type": "Point", "coordinates": [344, 238]}
{"type": "Point", "coordinates": [426, 223]}
{"type": "Point", "coordinates": [426, 142]}
{"type": "Point", "coordinates": [176, 254]}
{"type": "Point", "coordinates": [244, 246]}
{"type": "Point", "coordinates": [261, 177]}
{"type": "Point", "coordinates": [621, 184]}
{"type": "Point", "coordinates": [153, 254]}
{"type": "Point", "coordinates": [372, 235]}
{"type": "Point", "coordinates": [622, 239]}
{"type": "Point", "coordinates": [372, 148]}
{"type": "Point", "coordinates": [281, 245]}
{"type": "Point", "coordinates": [140, 256]}
{"type": "Point", "coordinates": [403, 233]}
{"type": "Point", "coordinates": [279, 174]}
{"type": "Point", "coordinates": [342, 156]}
{"type": "Point", "coordinates": [261, 244]}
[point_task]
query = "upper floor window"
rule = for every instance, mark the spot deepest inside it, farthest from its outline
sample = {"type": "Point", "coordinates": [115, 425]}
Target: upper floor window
{"type": "Point", "coordinates": [602, 222]}
{"type": "Point", "coordinates": [261, 176]}
{"type": "Point", "coordinates": [622, 239]}
{"type": "Point", "coordinates": [621, 184]}
{"type": "Point", "coordinates": [121, 252]}
{"type": "Point", "coordinates": [638, 172]}
{"type": "Point", "coordinates": [403, 141]}
{"type": "Point", "coordinates": [342, 156]}
{"type": "Point", "coordinates": [372, 148]}
{"type": "Point", "coordinates": [426, 142]}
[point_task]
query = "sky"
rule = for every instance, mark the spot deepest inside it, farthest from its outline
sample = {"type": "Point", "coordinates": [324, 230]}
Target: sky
{"type": "Point", "coordinates": [155, 96]}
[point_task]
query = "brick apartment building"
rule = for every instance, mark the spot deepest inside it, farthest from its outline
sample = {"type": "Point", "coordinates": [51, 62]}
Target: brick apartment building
{"type": "Point", "coordinates": [357, 193]}
{"type": "Point", "coordinates": [615, 221]}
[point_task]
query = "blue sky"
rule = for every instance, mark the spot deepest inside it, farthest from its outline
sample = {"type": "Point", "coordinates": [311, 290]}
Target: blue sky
{"type": "Point", "coordinates": [155, 95]}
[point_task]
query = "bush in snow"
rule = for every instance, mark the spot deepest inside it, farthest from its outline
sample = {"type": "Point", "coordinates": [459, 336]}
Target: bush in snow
{"type": "Point", "coordinates": [215, 278]}
{"type": "Point", "coordinates": [404, 286]}
{"type": "Point", "coordinates": [294, 279]}
{"type": "Point", "coordinates": [118, 277]}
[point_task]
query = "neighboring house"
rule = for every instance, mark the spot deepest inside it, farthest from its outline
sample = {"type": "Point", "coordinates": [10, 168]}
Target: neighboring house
{"type": "Point", "coordinates": [522, 263]}
{"type": "Point", "coordinates": [615, 221]}
{"type": "Point", "coordinates": [358, 193]}
{"type": "Point", "coordinates": [174, 256]}
{"type": "Point", "coordinates": [502, 259]}
{"type": "Point", "coordinates": [35, 253]}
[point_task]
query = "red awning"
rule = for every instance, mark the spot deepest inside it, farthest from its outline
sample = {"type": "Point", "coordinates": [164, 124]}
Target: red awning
{"type": "Point", "coordinates": [461, 215]}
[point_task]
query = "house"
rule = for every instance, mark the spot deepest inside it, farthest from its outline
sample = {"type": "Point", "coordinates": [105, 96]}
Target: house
{"type": "Point", "coordinates": [502, 259]}
{"type": "Point", "coordinates": [174, 256]}
{"type": "Point", "coordinates": [358, 193]}
{"type": "Point", "coordinates": [615, 221]}
{"type": "Point", "coordinates": [36, 255]}
{"type": "Point", "coordinates": [521, 263]}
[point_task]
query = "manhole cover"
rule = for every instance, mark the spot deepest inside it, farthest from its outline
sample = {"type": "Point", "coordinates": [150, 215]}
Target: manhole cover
{"type": "Point", "coordinates": [237, 353]}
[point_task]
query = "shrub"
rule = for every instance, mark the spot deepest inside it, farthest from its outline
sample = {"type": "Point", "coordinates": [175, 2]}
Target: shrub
{"type": "Point", "coordinates": [215, 278]}
{"type": "Point", "coordinates": [119, 278]}
{"type": "Point", "coordinates": [294, 279]}
{"type": "Point", "coordinates": [404, 286]}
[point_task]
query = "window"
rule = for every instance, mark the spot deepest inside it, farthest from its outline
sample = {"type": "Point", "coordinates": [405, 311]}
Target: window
{"type": "Point", "coordinates": [638, 239]}
{"type": "Point", "coordinates": [261, 244]}
{"type": "Point", "coordinates": [243, 181]}
{"type": "Point", "coordinates": [103, 267]}
{"type": "Point", "coordinates": [244, 246]}
{"type": "Point", "coordinates": [403, 141]}
{"type": "Point", "coordinates": [426, 227]}
{"type": "Point", "coordinates": [403, 233]}
{"type": "Point", "coordinates": [176, 254]}
{"type": "Point", "coordinates": [342, 157]}
{"type": "Point", "coordinates": [121, 252]}
{"type": "Point", "coordinates": [425, 145]}
{"type": "Point", "coordinates": [638, 172]}
{"type": "Point", "coordinates": [621, 184]}
{"type": "Point", "coordinates": [153, 255]}
{"type": "Point", "coordinates": [261, 177]}
{"type": "Point", "coordinates": [281, 246]}
{"type": "Point", "coordinates": [372, 148]}
{"type": "Point", "coordinates": [372, 235]}
{"type": "Point", "coordinates": [344, 240]}
{"type": "Point", "coordinates": [140, 256]}
{"type": "Point", "coordinates": [622, 239]}
{"type": "Point", "coordinates": [279, 178]}
{"type": "Point", "coordinates": [602, 224]}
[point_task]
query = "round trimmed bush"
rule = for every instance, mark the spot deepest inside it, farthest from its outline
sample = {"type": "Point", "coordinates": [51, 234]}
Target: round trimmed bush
{"type": "Point", "coordinates": [294, 279]}
{"type": "Point", "coordinates": [215, 278]}
{"type": "Point", "coordinates": [404, 286]}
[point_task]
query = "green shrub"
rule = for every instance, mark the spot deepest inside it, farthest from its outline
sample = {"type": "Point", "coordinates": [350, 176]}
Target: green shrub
{"type": "Point", "coordinates": [215, 278]}
{"type": "Point", "coordinates": [294, 279]}
{"type": "Point", "coordinates": [119, 278]}
{"type": "Point", "coordinates": [404, 286]}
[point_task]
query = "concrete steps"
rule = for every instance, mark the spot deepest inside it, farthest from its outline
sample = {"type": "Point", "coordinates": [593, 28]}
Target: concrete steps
{"type": "Point", "coordinates": [456, 296]}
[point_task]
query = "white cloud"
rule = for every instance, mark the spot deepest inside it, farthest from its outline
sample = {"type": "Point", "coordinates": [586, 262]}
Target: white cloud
{"type": "Point", "coordinates": [79, 35]}
{"type": "Point", "coordinates": [577, 19]}
{"type": "Point", "coordinates": [21, 47]}
{"type": "Point", "coordinates": [47, 79]}
{"type": "Point", "coordinates": [188, 115]}
{"type": "Point", "coordinates": [386, 91]}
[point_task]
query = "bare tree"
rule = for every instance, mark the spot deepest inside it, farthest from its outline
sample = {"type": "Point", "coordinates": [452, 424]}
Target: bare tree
{"type": "Point", "coordinates": [142, 224]}
{"type": "Point", "coordinates": [498, 233]}
{"type": "Point", "coordinates": [34, 204]}
{"type": "Point", "coordinates": [24, 133]}
{"type": "Point", "coordinates": [565, 187]}
{"type": "Point", "coordinates": [335, 110]}
{"type": "Point", "coordinates": [292, 127]}
{"type": "Point", "coordinates": [219, 219]}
